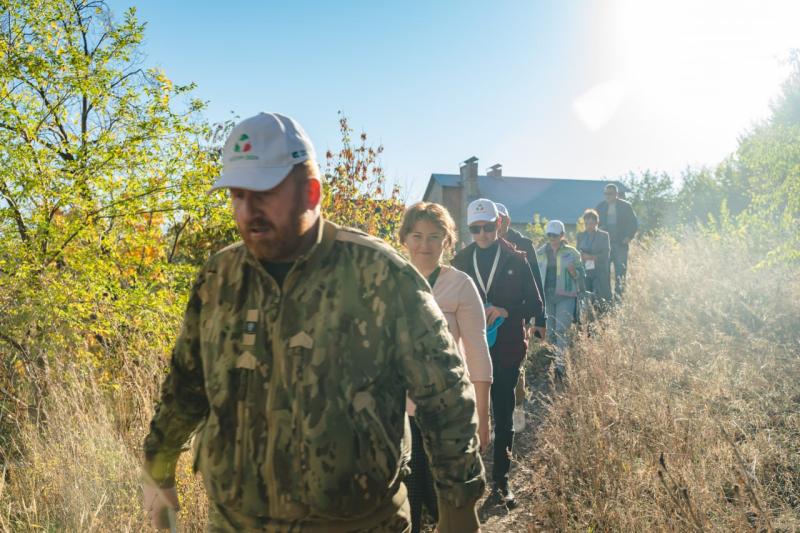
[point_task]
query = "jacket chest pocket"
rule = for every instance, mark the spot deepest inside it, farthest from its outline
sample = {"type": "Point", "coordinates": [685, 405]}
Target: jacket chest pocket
{"type": "Point", "coordinates": [235, 369]}
{"type": "Point", "coordinates": [236, 355]}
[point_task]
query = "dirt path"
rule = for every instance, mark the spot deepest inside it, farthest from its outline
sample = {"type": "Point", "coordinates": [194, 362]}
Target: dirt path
{"type": "Point", "coordinates": [496, 519]}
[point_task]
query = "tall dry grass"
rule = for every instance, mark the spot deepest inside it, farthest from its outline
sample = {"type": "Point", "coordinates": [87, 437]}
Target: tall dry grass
{"type": "Point", "coordinates": [682, 411]}
{"type": "Point", "coordinates": [74, 464]}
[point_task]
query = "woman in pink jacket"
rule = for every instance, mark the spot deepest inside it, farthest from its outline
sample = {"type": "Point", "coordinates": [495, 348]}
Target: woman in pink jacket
{"type": "Point", "coordinates": [427, 231]}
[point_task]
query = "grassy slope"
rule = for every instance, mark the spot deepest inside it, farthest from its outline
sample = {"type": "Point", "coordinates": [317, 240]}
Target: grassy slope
{"type": "Point", "coordinates": [683, 411]}
{"type": "Point", "coordinates": [700, 367]}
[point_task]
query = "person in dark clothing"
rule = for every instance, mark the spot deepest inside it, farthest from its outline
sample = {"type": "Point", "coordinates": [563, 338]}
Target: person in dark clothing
{"type": "Point", "coordinates": [539, 328]}
{"type": "Point", "coordinates": [524, 244]}
{"type": "Point", "coordinates": [506, 285]}
{"type": "Point", "coordinates": [619, 220]}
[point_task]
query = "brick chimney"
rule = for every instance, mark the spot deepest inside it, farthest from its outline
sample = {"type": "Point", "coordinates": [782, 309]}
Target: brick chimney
{"type": "Point", "coordinates": [469, 178]}
{"type": "Point", "coordinates": [469, 192]}
{"type": "Point", "coordinates": [495, 171]}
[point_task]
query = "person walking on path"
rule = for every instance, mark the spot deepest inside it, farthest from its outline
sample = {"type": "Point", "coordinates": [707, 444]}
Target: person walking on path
{"type": "Point", "coordinates": [508, 291]}
{"type": "Point", "coordinates": [558, 265]}
{"type": "Point", "coordinates": [619, 220]}
{"type": "Point", "coordinates": [298, 348]}
{"type": "Point", "coordinates": [538, 329]}
{"type": "Point", "coordinates": [595, 247]}
{"type": "Point", "coordinates": [427, 230]}
{"type": "Point", "coordinates": [526, 245]}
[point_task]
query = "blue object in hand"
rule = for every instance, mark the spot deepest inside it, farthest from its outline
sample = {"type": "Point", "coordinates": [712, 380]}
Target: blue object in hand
{"type": "Point", "coordinates": [491, 329]}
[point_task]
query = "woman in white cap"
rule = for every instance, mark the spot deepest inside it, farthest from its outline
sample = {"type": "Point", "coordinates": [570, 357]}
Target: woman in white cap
{"type": "Point", "coordinates": [559, 266]}
{"type": "Point", "coordinates": [508, 290]}
{"type": "Point", "coordinates": [427, 230]}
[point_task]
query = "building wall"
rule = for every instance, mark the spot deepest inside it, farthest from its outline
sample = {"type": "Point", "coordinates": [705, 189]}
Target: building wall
{"type": "Point", "coordinates": [435, 194]}
{"type": "Point", "coordinates": [452, 200]}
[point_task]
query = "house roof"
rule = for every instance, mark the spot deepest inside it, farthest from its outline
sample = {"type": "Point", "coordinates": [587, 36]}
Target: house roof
{"type": "Point", "coordinates": [551, 198]}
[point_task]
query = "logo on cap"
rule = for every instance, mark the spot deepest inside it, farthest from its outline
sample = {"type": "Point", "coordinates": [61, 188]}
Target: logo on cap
{"type": "Point", "coordinates": [480, 208]}
{"type": "Point", "coordinates": [243, 144]}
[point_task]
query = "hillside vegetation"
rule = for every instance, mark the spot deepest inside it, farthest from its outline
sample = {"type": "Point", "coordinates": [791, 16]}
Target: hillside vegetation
{"type": "Point", "coordinates": [682, 410]}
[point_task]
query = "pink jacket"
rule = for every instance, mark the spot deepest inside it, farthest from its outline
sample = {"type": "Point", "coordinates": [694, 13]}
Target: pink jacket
{"type": "Point", "coordinates": [461, 304]}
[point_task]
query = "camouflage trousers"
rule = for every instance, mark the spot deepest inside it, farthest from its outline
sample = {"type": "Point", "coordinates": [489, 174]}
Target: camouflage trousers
{"type": "Point", "coordinates": [221, 520]}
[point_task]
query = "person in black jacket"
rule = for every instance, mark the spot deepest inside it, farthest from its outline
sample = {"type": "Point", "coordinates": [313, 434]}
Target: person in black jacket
{"type": "Point", "coordinates": [526, 245]}
{"type": "Point", "coordinates": [539, 328]}
{"type": "Point", "coordinates": [619, 220]}
{"type": "Point", "coordinates": [506, 286]}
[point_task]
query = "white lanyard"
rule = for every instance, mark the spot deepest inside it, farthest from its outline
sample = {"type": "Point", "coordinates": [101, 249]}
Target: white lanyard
{"type": "Point", "coordinates": [488, 285]}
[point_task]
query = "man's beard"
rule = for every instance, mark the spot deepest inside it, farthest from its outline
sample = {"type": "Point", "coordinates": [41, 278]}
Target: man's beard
{"type": "Point", "coordinates": [282, 242]}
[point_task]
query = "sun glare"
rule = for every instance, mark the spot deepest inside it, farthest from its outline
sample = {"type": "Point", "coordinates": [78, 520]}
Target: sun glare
{"type": "Point", "coordinates": [711, 65]}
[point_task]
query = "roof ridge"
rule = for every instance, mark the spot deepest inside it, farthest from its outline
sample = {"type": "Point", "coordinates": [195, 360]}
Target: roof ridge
{"type": "Point", "coordinates": [434, 174]}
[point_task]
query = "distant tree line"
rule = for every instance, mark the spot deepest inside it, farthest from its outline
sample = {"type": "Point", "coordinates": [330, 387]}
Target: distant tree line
{"type": "Point", "coordinates": [755, 190]}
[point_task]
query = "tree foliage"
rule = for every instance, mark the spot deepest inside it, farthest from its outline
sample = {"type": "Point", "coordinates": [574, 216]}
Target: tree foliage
{"type": "Point", "coordinates": [651, 195]}
{"type": "Point", "coordinates": [356, 192]}
{"type": "Point", "coordinates": [756, 189]}
{"type": "Point", "coordinates": [102, 163]}
{"type": "Point", "coordinates": [765, 171]}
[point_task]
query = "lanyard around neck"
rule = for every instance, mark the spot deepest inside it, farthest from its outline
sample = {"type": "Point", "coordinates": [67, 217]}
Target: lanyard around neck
{"type": "Point", "coordinates": [485, 288]}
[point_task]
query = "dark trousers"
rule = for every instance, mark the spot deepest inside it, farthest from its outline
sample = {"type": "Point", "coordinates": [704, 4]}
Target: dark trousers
{"type": "Point", "coordinates": [619, 258]}
{"type": "Point", "coordinates": [420, 481]}
{"type": "Point", "coordinates": [503, 400]}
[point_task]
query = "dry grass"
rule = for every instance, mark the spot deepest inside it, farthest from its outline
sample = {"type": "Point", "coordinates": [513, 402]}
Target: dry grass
{"type": "Point", "coordinates": [76, 466]}
{"type": "Point", "coordinates": [683, 412]}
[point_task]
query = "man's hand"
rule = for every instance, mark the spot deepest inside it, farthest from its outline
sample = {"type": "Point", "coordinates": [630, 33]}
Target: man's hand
{"type": "Point", "coordinates": [158, 502]}
{"type": "Point", "coordinates": [493, 312]}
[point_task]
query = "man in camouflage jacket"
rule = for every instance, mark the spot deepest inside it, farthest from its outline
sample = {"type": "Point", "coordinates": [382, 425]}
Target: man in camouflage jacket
{"type": "Point", "coordinates": [297, 350]}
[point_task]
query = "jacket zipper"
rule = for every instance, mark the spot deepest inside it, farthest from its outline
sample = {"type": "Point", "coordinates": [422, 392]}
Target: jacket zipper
{"type": "Point", "coordinates": [274, 379]}
{"type": "Point", "coordinates": [279, 359]}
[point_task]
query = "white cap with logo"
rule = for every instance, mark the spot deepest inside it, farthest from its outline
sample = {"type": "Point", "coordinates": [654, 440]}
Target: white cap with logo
{"type": "Point", "coordinates": [481, 210]}
{"type": "Point", "coordinates": [502, 209]}
{"type": "Point", "coordinates": [554, 227]}
{"type": "Point", "coordinates": [261, 151]}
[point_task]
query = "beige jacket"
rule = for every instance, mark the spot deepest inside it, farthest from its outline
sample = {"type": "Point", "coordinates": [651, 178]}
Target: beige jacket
{"type": "Point", "coordinates": [461, 304]}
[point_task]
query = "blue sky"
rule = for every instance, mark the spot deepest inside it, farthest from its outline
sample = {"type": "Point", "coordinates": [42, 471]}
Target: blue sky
{"type": "Point", "coordinates": [578, 89]}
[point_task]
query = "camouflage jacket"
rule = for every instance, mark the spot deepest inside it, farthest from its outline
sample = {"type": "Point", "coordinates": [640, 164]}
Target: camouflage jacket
{"type": "Point", "coordinates": [298, 394]}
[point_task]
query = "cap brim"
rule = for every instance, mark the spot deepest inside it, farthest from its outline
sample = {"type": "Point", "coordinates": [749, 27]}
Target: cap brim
{"type": "Point", "coordinates": [252, 179]}
{"type": "Point", "coordinates": [480, 218]}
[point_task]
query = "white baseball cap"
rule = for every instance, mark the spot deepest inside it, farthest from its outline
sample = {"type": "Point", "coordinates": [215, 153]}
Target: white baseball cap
{"type": "Point", "coordinates": [555, 227]}
{"type": "Point", "coordinates": [261, 151]}
{"type": "Point", "coordinates": [481, 210]}
{"type": "Point", "coordinates": [503, 210]}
